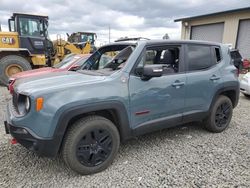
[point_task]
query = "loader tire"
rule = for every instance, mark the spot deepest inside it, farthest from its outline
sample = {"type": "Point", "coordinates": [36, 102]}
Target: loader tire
{"type": "Point", "coordinates": [10, 65]}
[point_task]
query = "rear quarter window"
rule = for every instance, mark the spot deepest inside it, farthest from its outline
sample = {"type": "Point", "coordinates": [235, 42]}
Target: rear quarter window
{"type": "Point", "coordinates": [218, 56]}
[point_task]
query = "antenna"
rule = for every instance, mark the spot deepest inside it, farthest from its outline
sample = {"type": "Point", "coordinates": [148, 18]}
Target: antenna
{"type": "Point", "coordinates": [109, 33]}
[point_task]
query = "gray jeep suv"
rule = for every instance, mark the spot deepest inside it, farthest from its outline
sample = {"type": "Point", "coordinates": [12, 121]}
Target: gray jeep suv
{"type": "Point", "coordinates": [148, 86]}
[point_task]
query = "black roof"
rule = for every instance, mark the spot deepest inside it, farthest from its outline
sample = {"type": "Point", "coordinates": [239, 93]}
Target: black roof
{"type": "Point", "coordinates": [31, 15]}
{"type": "Point", "coordinates": [213, 14]}
{"type": "Point", "coordinates": [119, 44]}
{"type": "Point", "coordinates": [163, 41]}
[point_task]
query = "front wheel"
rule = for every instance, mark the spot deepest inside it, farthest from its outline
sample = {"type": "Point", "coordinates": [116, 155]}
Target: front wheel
{"type": "Point", "coordinates": [90, 145]}
{"type": "Point", "coordinates": [220, 115]}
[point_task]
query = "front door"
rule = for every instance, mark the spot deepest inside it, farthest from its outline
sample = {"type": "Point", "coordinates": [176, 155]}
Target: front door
{"type": "Point", "coordinates": [32, 35]}
{"type": "Point", "coordinates": [158, 102]}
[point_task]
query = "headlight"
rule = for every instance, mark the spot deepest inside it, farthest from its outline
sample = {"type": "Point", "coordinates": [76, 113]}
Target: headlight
{"type": "Point", "coordinates": [23, 104]}
{"type": "Point", "coordinates": [27, 103]}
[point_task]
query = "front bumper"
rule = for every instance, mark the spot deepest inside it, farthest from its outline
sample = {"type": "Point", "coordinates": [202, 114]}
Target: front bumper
{"type": "Point", "coordinates": [47, 147]}
{"type": "Point", "coordinates": [43, 147]}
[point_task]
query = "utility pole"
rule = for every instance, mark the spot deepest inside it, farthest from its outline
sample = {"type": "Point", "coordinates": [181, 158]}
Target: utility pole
{"type": "Point", "coordinates": [109, 33]}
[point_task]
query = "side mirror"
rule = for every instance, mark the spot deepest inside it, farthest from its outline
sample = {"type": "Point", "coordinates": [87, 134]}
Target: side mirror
{"type": "Point", "coordinates": [150, 71]}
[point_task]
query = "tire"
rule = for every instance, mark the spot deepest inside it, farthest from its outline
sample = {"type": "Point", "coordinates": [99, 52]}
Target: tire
{"type": "Point", "coordinates": [90, 145]}
{"type": "Point", "coordinates": [220, 115]}
{"type": "Point", "coordinates": [19, 64]}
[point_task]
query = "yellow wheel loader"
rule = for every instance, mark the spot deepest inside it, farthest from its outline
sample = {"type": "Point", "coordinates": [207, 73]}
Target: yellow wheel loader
{"type": "Point", "coordinates": [83, 37]}
{"type": "Point", "coordinates": [28, 46]}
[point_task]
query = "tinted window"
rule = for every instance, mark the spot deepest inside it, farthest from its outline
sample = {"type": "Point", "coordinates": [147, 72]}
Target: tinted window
{"type": "Point", "coordinates": [199, 57]}
{"type": "Point", "coordinates": [237, 59]}
{"type": "Point", "coordinates": [235, 54]}
{"type": "Point", "coordinates": [218, 55]}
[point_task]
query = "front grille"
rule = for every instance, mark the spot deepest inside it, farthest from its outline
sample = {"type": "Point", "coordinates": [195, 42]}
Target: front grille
{"type": "Point", "coordinates": [15, 101]}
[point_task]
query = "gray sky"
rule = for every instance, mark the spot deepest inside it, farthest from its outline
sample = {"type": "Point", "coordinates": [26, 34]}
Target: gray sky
{"type": "Point", "coordinates": [146, 18]}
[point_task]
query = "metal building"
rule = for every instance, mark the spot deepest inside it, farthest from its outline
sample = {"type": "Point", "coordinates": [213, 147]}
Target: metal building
{"type": "Point", "coordinates": [230, 27]}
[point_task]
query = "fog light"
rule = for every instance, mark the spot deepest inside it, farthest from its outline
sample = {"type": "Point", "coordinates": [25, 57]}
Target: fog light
{"type": "Point", "coordinates": [21, 131]}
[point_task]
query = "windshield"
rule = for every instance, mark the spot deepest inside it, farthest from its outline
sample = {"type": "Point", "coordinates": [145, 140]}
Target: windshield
{"type": "Point", "coordinates": [105, 55]}
{"type": "Point", "coordinates": [108, 59]}
{"type": "Point", "coordinates": [79, 62]}
{"type": "Point", "coordinates": [87, 37]}
{"type": "Point", "coordinates": [66, 61]}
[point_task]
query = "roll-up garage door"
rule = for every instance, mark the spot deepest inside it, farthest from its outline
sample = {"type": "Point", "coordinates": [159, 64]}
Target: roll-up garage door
{"type": "Point", "coordinates": [210, 32]}
{"type": "Point", "coordinates": [243, 39]}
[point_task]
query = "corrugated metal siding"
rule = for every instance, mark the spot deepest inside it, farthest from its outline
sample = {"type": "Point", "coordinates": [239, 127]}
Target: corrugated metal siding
{"type": "Point", "coordinates": [211, 32]}
{"type": "Point", "coordinates": [243, 40]}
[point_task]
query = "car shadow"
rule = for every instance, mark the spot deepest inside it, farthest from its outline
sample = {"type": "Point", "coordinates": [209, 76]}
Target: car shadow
{"type": "Point", "coordinates": [29, 159]}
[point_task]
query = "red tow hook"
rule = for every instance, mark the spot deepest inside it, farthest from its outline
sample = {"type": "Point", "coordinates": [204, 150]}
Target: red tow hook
{"type": "Point", "coordinates": [13, 141]}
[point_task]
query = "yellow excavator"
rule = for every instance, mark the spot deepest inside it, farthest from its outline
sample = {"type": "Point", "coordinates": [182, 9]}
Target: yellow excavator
{"type": "Point", "coordinates": [27, 45]}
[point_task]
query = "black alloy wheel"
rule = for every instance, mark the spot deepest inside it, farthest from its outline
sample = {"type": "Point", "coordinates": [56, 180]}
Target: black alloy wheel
{"type": "Point", "coordinates": [222, 114]}
{"type": "Point", "coordinates": [90, 144]}
{"type": "Point", "coordinates": [94, 147]}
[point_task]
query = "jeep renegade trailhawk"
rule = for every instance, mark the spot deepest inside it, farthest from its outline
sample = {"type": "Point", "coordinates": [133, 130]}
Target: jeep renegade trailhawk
{"type": "Point", "coordinates": [148, 86]}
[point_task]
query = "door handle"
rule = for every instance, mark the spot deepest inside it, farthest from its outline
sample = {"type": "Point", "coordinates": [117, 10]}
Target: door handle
{"type": "Point", "coordinates": [178, 84]}
{"type": "Point", "coordinates": [214, 77]}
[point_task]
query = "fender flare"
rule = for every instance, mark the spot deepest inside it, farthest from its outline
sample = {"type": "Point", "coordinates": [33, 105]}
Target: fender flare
{"type": "Point", "coordinates": [235, 88]}
{"type": "Point", "coordinates": [73, 110]}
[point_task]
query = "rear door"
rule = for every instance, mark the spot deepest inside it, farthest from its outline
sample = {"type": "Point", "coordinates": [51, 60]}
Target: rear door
{"type": "Point", "coordinates": [203, 78]}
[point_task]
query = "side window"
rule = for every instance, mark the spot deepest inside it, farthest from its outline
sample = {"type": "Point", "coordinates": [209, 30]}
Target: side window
{"type": "Point", "coordinates": [12, 25]}
{"type": "Point", "coordinates": [199, 57]}
{"type": "Point", "coordinates": [167, 56]}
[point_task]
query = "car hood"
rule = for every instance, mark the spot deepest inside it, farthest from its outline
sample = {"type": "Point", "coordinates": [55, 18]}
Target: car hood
{"type": "Point", "coordinates": [54, 81]}
{"type": "Point", "coordinates": [34, 72]}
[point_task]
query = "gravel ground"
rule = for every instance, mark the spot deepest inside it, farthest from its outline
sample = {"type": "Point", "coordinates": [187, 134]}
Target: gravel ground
{"type": "Point", "coordinates": [185, 156]}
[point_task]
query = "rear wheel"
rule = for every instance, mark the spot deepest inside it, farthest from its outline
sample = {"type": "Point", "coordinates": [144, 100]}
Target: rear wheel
{"type": "Point", "coordinates": [220, 115]}
{"type": "Point", "coordinates": [90, 145]}
{"type": "Point", "coordinates": [10, 65]}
